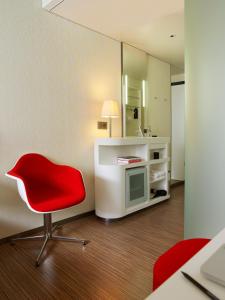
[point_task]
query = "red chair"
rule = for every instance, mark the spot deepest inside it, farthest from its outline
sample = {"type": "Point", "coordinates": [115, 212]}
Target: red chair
{"type": "Point", "coordinates": [46, 188]}
{"type": "Point", "coordinates": [175, 258]}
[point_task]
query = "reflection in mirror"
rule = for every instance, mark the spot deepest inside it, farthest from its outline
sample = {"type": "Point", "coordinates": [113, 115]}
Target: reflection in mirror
{"type": "Point", "coordinates": [146, 94]}
{"type": "Point", "coordinates": [135, 90]}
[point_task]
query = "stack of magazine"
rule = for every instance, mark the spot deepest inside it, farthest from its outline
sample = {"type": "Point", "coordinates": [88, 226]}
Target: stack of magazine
{"type": "Point", "coordinates": [124, 160]}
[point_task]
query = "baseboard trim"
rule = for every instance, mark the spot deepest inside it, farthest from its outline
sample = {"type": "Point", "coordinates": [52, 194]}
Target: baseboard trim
{"type": "Point", "coordinates": [38, 229]}
{"type": "Point", "coordinates": [180, 182]}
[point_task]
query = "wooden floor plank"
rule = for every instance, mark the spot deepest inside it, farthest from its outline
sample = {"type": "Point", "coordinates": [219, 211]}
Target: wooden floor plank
{"type": "Point", "coordinates": [116, 265]}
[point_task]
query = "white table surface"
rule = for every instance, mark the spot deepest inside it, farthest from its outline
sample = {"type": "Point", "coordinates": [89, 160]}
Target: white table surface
{"type": "Point", "coordinates": [178, 287]}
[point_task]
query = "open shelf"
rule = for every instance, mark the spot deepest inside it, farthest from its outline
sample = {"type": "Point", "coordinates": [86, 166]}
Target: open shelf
{"type": "Point", "coordinates": [159, 161]}
{"type": "Point", "coordinates": [107, 155]}
{"type": "Point", "coordinates": [158, 179]}
{"type": "Point", "coordinates": [159, 199]}
{"type": "Point", "coordinates": [133, 165]}
{"type": "Point", "coordinates": [158, 150]}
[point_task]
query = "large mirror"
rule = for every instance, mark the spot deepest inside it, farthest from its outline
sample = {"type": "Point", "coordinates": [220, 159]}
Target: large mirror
{"type": "Point", "coordinates": [146, 94]}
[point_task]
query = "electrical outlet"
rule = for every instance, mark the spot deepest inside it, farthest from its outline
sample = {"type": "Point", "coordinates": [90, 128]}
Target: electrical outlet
{"type": "Point", "coordinates": [102, 125]}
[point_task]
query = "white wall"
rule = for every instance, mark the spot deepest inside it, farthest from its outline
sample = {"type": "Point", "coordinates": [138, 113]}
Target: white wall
{"type": "Point", "coordinates": [54, 76]}
{"type": "Point", "coordinates": [205, 117]}
{"type": "Point", "coordinates": [177, 147]}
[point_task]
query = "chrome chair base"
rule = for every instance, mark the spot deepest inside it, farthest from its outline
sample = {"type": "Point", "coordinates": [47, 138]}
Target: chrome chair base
{"type": "Point", "coordinates": [48, 235]}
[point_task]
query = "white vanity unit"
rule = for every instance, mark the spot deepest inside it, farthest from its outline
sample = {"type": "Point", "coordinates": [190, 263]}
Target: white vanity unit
{"type": "Point", "coordinates": [123, 189]}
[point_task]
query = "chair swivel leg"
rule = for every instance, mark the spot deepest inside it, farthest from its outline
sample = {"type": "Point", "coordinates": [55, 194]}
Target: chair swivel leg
{"type": "Point", "coordinates": [42, 250]}
{"type": "Point", "coordinates": [69, 239]}
{"type": "Point", "coordinates": [48, 235]}
{"type": "Point", "coordinates": [27, 238]}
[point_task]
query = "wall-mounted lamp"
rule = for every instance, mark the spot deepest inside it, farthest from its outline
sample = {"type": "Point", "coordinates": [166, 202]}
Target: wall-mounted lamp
{"type": "Point", "coordinates": [110, 109]}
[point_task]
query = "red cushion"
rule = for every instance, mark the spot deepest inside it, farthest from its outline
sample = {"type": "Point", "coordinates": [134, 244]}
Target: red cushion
{"type": "Point", "coordinates": [175, 258]}
{"type": "Point", "coordinates": [49, 187]}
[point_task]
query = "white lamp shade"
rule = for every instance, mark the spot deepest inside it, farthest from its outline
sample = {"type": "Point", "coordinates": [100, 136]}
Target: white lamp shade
{"type": "Point", "coordinates": [110, 109]}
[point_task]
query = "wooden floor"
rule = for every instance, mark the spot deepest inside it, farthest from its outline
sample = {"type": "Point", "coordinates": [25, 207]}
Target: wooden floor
{"type": "Point", "coordinates": [117, 264]}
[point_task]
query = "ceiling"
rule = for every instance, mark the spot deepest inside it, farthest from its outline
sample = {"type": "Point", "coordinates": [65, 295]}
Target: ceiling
{"type": "Point", "coordinates": [146, 24]}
